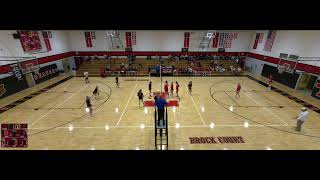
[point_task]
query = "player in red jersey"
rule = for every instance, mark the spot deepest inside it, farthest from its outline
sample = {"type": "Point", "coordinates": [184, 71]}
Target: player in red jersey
{"type": "Point", "coordinates": [177, 88]}
{"type": "Point", "coordinates": [190, 87]}
{"type": "Point", "coordinates": [238, 90]}
{"type": "Point", "coordinates": [270, 81]}
{"type": "Point", "coordinates": [166, 89]}
{"type": "Point", "coordinates": [171, 89]}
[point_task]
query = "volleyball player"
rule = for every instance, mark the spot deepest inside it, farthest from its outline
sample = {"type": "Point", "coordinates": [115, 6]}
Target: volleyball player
{"type": "Point", "coordinates": [171, 89]}
{"type": "Point", "coordinates": [177, 89]}
{"type": "Point", "coordinates": [150, 88]}
{"type": "Point", "coordinates": [117, 81]}
{"type": "Point", "coordinates": [86, 77]}
{"type": "Point", "coordinates": [96, 92]}
{"type": "Point", "coordinates": [190, 87]}
{"type": "Point", "coordinates": [89, 106]}
{"type": "Point", "coordinates": [166, 89]}
{"type": "Point", "coordinates": [238, 90]}
{"type": "Point", "coordinates": [140, 96]}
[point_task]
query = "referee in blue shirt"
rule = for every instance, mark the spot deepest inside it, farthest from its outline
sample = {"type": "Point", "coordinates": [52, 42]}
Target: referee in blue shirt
{"type": "Point", "coordinates": [161, 103]}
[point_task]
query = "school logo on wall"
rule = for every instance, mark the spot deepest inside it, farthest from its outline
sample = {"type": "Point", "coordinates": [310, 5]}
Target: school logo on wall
{"type": "Point", "coordinates": [45, 73]}
{"type": "Point", "coordinates": [2, 89]}
{"type": "Point", "coordinates": [316, 90]}
{"type": "Point", "coordinates": [318, 86]}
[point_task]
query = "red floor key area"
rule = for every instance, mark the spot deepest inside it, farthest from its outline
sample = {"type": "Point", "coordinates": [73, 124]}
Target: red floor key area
{"type": "Point", "coordinates": [171, 103]}
{"type": "Point", "coordinates": [148, 103]}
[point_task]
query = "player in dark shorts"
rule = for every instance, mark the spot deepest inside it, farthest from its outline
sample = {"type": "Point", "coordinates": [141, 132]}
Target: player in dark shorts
{"type": "Point", "coordinates": [190, 87]}
{"type": "Point", "coordinates": [150, 88]}
{"type": "Point", "coordinates": [96, 92]}
{"type": "Point", "coordinates": [155, 98]}
{"type": "Point", "coordinates": [177, 88]}
{"type": "Point", "coordinates": [238, 90]}
{"type": "Point", "coordinates": [171, 89]}
{"type": "Point", "coordinates": [166, 89]}
{"type": "Point", "coordinates": [117, 81]}
{"type": "Point", "coordinates": [89, 106]}
{"type": "Point", "coordinates": [140, 96]}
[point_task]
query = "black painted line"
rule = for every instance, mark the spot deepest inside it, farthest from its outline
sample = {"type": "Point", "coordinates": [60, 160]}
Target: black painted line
{"type": "Point", "coordinates": [293, 98]}
{"type": "Point", "coordinates": [24, 99]}
{"type": "Point", "coordinates": [232, 99]}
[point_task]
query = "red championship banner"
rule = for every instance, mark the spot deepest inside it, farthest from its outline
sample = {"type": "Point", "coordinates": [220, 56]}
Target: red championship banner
{"type": "Point", "coordinates": [88, 39]}
{"type": "Point", "coordinates": [128, 39]}
{"type": "Point", "coordinates": [260, 37]}
{"type": "Point", "coordinates": [215, 40]}
{"type": "Point", "coordinates": [186, 39]}
{"type": "Point", "coordinates": [256, 41]}
{"type": "Point", "coordinates": [134, 38]}
{"type": "Point", "coordinates": [46, 40]}
{"type": "Point", "coordinates": [30, 40]}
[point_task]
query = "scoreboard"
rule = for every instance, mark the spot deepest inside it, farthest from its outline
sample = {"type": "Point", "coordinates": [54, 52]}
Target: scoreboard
{"type": "Point", "coordinates": [14, 135]}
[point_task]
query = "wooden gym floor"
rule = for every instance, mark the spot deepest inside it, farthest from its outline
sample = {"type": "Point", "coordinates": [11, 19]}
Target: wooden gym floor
{"type": "Point", "coordinates": [57, 119]}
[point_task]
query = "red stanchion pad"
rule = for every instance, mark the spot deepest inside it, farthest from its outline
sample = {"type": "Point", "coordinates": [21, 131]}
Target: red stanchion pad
{"type": "Point", "coordinates": [149, 103]}
{"type": "Point", "coordinates": [173, 103]}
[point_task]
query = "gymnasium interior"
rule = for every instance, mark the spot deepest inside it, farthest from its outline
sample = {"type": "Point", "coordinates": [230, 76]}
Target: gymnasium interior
{"type": "Point", "coordinates": [43, 89]}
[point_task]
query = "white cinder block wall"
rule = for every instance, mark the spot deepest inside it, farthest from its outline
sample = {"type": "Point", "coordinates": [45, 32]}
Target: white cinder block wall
{"type": "Point", "coordinates": [156, 40]}
{"type": "Point", "coordinates": [301, 43]}
{"type": "Point", "coordinates": [12, 47]}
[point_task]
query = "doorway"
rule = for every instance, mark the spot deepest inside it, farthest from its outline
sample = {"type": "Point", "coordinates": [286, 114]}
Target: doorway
{"type": "Point", "coordinates": [306, 83]}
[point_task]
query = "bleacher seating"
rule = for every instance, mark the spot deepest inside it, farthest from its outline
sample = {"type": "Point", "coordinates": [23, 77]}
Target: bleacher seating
{"type": "Point", "coordinates": [140, 66]}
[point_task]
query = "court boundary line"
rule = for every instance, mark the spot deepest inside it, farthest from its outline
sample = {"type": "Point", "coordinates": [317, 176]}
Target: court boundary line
{"type": "Point", "coordinates": [266, 109]}
{"type": "Point", "coordinates": [171, 126]}
{"type": "Point", "coordinates": [36, 121]}
{"type": "Point", "coordinates": [204, 124]}
{"type": "Point", "coordinates": [127, 104]}
{"type": "Point", "coordinates": [32, 95]}
{"type": "Point", "coordinates": [271, 127]}
{"type": "Point", "coordinates": [61, 125]}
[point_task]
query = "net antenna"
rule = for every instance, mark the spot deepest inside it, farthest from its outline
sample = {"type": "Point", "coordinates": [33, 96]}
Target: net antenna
{"type": "Point", "coordinates": [26, 64]}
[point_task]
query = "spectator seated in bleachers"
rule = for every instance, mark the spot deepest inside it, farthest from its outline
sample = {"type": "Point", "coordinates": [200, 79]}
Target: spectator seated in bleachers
{"type": "Point", "coordinates": [108, 67]}
{"type": "Point", "coordinates": [220, 69]}
{"type": "Point", "coordinates": [239, 69]}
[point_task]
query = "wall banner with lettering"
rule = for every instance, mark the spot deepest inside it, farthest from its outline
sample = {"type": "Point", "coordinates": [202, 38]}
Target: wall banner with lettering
{"type": "Point", "coordinates": [45, 73]}
{"type": "Point", "coordinates": [88, 39]}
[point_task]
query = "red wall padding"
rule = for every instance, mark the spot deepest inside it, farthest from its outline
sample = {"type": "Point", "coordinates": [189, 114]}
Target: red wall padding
{"type": "Point", "coordinates": [302, 67]}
